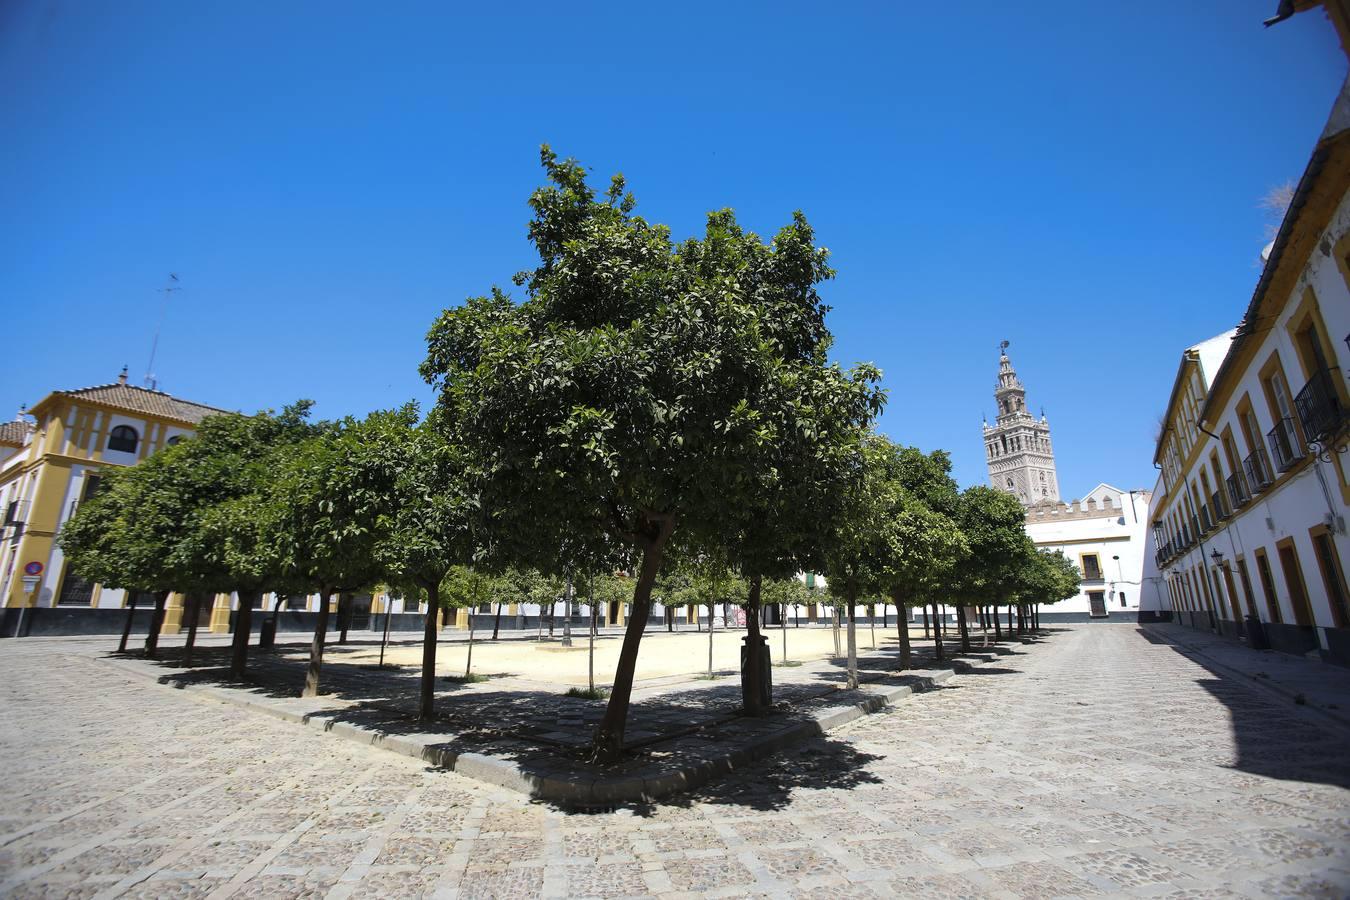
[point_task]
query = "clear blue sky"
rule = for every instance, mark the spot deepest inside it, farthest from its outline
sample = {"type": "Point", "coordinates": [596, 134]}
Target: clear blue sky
{"type": "Point", "coordinates": [1080, 179]}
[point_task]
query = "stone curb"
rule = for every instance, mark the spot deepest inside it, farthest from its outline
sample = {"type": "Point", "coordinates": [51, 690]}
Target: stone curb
{"type": "Point", "coordinates": [576, 792]}
{"type": "Point", "coordinates": [1339, 719]}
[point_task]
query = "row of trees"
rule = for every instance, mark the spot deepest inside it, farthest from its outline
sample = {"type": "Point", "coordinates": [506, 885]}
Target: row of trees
{"type": "Point", "coordinates": [649, 407]}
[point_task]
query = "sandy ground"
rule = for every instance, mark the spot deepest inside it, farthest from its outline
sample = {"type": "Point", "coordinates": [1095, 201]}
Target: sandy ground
{"type": "Point", "coordinates": [662, 654]}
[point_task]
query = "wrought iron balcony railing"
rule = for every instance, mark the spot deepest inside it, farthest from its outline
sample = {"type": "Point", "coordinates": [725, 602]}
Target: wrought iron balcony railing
{"type": "Point", "coordinates": [1319, 408]}
{"type": "Point", "coordinates": [1219, 504]}
{"type": "Point", "coordinates": [1206, 522]}
{"type": "Point", "coordinates": [1285, 446]}
{"type": "Point", "coordinates": [1237, 491]}
{"type": "Point", "coordinates": [1259, 473]}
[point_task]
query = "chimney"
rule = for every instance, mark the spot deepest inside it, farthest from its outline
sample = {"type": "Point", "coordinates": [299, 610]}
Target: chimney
{"type": "Point", "coordinates": [122, 379]}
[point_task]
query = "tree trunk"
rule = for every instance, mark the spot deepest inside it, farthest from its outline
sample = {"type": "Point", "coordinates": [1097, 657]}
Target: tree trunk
{"type": "Point", "coordinates": [567, 612]}
{"type": "Point", "coordinates": [902, 633]}
{"type": "Point", "coordinates": [156, 623]}
{"type": "Point", "coordinates": [243, 624]}
{"type": "Point", "coordinates": [925, 621]}
{"type": "Point", "coordinates": [872, 622]}
{"type": "Point", "coordinates": [552, 616]}
{"type": "Point", "coordinates": [712, 607]}
{"type": "Point", "coordinates": [194, 602]}
{"type": "Point", "coordinates": [468, 662]}
{"type": "Point", "coordinates": [497, 620]}
{"type": "Point", "coordinates": [607, 745]}
{"type": "Point", "coordinates": [670, 618]}
{"type": "Point", "coordinates": [852, 637]}
{"type": "Point", "coordinates": [998, 631]}
{"type": "Point", "coordinates": [426, 708]}
{"type": "Point", "coordinates": [126, 626]}
{"type": "Point", "coordinates": [344, 616]}
{"type": "Point", "coordinates": [783, 607]}
{"type": "Point", "coordinates": [590, 651]}
{"type": "Point", "coordinates": [752, 684]}
{"type": "Point", "coordinates": [963, 626]}
{"type": "Point", "coordinates": [1010, 619]}
{"type": "Point", "coordinates": [316, 645]}
{"type": "Point", "coordinates": [937, 635]}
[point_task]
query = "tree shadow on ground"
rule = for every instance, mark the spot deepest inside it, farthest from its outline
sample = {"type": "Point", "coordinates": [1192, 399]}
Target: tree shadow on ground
{"type": "Point", "coordinates": [1274, 737]}
{"type": "Point", "coordinates": [547, 734]}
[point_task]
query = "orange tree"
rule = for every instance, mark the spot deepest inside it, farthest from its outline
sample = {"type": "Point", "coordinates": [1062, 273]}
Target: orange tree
{"type": "Point", "coordinates": [640, 387]}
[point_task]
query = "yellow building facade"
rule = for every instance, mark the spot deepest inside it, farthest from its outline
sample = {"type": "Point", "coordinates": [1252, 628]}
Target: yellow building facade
{"type": "Point", "coordinates": [52, 458]}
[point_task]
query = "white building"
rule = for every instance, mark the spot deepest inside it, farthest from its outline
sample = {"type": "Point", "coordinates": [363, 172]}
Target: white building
{"type": "Point", "coordinates": [1103, 533]}
{"type": "Point", "coordinates": [1249, 523]}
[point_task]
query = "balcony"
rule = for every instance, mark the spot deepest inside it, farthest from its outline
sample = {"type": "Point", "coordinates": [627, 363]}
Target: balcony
{"type": "Point", "coordinates": [1220, 507]}
{"type": "Point", "coordinates": [1319, 408]}
{"type": "Point", "coordinates": [1195, 531]}
{"type": "Point", "coordinates": [1237, 491]}
{"type": "Point", "coordinates": [1285, 445]}
{"type": "Point", "coordinates": [1259, 473]}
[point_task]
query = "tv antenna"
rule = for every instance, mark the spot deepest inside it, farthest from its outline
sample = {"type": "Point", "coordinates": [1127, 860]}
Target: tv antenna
{"type": "Point", "coordinates": [168, 291]}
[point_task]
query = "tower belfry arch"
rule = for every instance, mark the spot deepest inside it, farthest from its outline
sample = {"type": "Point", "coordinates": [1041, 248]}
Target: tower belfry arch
{"type": "Point", "coordinates": [1018, 452]}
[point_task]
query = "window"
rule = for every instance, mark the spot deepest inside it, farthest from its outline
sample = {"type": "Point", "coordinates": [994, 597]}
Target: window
{"type": "Point", "coordinates": [75, 591]}
{"type": "Point", "coordinates": [174, 441]}
{"type": "Point", "coordinates": [1332, 576]}
{"type": "Point", "coordinates": [1122, 599]}
{"type": "Point", "coordinates": [1092, 567]}
{"type": "Point", "coordinates": [124, 439]}
{"type": "Point", "coordinates": [1268, 587]}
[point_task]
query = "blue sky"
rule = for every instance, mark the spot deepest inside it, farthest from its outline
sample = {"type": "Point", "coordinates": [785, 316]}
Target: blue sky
{"type": "Point", "coordinates": [1080, 179]}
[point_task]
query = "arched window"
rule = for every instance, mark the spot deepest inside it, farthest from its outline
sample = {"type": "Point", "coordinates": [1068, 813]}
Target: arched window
{"type": "Point", "coordinates": [175, 440]}
{"type": "Point", "coordinates": [123, 438]}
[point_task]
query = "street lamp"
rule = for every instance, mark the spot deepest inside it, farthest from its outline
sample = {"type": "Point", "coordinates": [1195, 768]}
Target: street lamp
{"type": "Point", "coordinates": [1217, 557]}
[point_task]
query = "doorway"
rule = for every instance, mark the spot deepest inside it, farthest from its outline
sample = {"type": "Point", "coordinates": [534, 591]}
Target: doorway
{"type": "Point", "coordinates": [1097, 605]}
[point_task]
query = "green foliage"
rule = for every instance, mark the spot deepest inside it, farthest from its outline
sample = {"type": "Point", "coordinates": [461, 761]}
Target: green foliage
{"type": "Point", "coordinates": [466, 587]}
{"type": "Point", "coordinates": [192, 517]}
{"type": "Point", "coordinates": [788, 592]}
{"type": "Point", "coordinates": [1046, 577]}
{"type": "Point", "coordinates": [899, 540]}
{"type": "Point", "coordinates": [993, 523]}
{"type": "Point", "coordinates": [640, 380]}
{"type": "Point", "coordinates": [421, 482]}
{"type": "Point", "coordinates": [325, 512]}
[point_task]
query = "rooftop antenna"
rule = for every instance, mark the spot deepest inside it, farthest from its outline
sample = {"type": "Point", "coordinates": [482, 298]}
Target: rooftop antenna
{"type": "Point", "coordinates": [168, 291]}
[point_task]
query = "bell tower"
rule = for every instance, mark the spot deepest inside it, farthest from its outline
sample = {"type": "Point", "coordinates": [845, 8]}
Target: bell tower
{"type": "Point", "coordinates": [1017, 446]}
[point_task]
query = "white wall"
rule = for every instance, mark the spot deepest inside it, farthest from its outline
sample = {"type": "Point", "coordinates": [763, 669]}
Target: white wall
{"type": "Point", "coordinates": [1119, 534]}
{"type": "Point", "coordinates": [1306, 500]}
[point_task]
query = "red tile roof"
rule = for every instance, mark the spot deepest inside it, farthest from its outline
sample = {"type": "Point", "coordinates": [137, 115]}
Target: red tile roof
{"type": "Point", "coordinates": [143, 400]}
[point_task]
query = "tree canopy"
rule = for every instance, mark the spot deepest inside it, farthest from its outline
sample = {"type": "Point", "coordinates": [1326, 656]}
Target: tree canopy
{"type": "Point", "coordinates": [641, 385]}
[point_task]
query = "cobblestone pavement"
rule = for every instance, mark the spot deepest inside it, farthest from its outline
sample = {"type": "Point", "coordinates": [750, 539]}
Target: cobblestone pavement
{"type": "Point", "coordinates": [1096, 762]}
